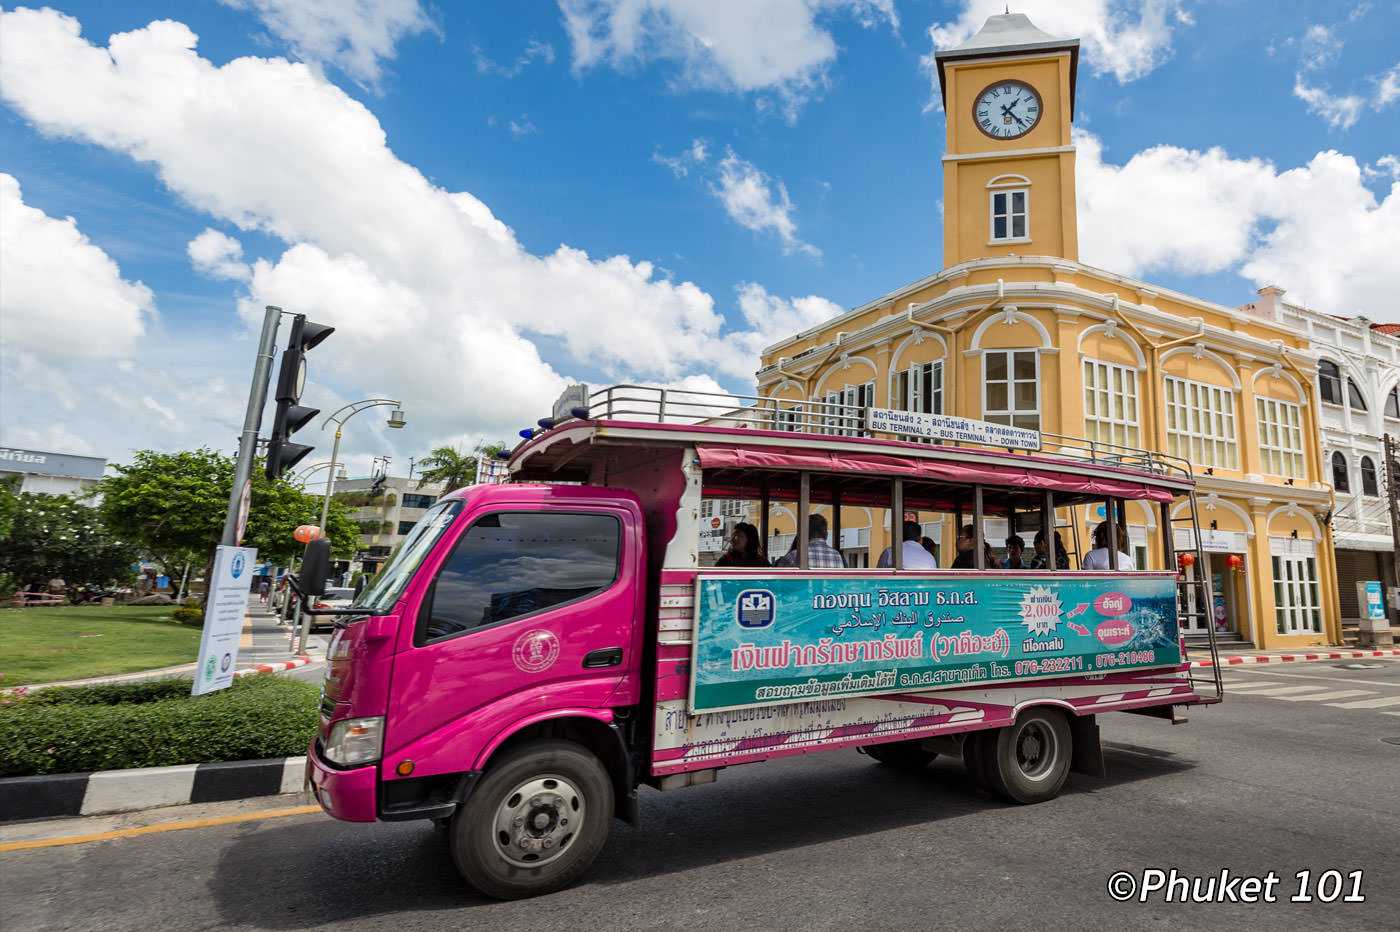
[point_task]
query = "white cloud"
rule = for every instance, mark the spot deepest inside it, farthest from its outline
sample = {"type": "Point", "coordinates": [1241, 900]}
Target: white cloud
{"type": "Point", "coordinates": [1316, 230]}
{"type": "Point", "coordinates": [218, 255]}
{"type": "Point", "coordinates": [373, 247]}
{"type": "Point", "coordinates": [1387, 88]}
{"type": "Point", "coordinates": [61, 296]}
{"type": "Point", "coordinates": [757, 202]}
{"type": "Point", "coordinates": [357, 36]}
{"type": "Point", "coordinates": [681, 164]}
{"type": "Point", "coordinates": [535, 50]}
{"type": "Point", "coordinates": [773, 47]}
{"type": "Point", "coordinates": [1319, 47]}
{"type": "Point", "coordinates": [522, 127]}
{"type": "Point", "coordinates": [1125, 38]}
{"type": "Point", "coordinates": [1340, 111]}
{"type": "Point", "coordinates": [772, 318]}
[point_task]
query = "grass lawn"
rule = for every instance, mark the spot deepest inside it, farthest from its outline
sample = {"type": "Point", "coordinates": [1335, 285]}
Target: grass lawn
{"type": "Point", "coordinates": [45, 645]}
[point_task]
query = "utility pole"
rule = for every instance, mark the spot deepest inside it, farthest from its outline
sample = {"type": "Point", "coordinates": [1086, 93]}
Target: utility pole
{"type": "Point", "coordinates": [252, 422]}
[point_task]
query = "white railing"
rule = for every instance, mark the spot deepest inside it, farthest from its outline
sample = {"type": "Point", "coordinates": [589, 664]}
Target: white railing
{"type": "Point", "coordinates": [715, 409]}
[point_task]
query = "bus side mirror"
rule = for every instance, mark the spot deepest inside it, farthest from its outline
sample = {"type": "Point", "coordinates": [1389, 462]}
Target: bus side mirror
{"type": "Point", "coordinates": [315, 568]}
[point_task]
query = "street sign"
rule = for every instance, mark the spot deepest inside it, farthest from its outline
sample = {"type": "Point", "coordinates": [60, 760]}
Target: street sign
{"type": "Point", "coordinates": [223, 618]}
{"type": "Point", "coordinates": [245, 502]}
{"type": "Point", "coordinates": [948, 427]}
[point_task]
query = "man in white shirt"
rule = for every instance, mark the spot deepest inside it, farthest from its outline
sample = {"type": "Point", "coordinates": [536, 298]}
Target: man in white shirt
{"type": "Point", "coordinates": [913, 552]}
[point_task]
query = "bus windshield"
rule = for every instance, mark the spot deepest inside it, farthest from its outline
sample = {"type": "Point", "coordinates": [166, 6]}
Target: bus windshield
{"type": "Point", "coordinates": [388, 584]}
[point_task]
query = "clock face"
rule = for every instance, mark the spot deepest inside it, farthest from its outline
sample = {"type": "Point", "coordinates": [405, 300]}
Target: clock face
{"type": "Point", "coordinates": [1007, 109]}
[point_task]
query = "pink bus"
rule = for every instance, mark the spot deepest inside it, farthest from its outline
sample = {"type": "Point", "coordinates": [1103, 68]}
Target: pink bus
{"type": "Point", "coordinates": [538, 650]}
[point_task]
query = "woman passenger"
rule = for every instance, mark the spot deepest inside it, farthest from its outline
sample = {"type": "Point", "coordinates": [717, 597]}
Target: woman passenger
{"type": "Point", "coordinates": [744, 548]}
{"type": "Point", "coordinates": [1097, 559]}
{"type": "Point", "coordinates": [1041, 560]}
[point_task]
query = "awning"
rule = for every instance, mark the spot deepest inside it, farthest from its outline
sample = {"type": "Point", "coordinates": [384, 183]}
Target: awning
{"type": "Point", "coordinates": [933, 470]}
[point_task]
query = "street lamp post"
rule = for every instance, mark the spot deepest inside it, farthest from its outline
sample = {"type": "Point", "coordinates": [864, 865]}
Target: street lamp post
{"type": "Point", "coordinates": [396, 421]}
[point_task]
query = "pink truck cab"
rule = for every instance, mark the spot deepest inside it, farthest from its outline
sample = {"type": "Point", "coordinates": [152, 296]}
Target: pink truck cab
{"type": "Point", "coordinates": [537, 650]}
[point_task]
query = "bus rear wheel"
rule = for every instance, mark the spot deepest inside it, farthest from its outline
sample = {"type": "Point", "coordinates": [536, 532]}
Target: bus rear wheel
{"type": "Point", "coordinates": [1028, 761]}
{"type": "Point", "coordinates": [901, 755]}
{"type": "Point", "coordinates": [535, 822]}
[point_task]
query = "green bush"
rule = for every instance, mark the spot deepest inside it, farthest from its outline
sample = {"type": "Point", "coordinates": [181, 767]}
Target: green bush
{"type": "Point", "coordinates": [154, 724]}
{"type": "Point", "coordinates": [191, 615]}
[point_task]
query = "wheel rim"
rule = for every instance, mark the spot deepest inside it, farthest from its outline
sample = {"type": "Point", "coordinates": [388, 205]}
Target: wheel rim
{"type": "Point", "coordinates": [1037, 750]}
{"type": "Point", "coordinates": [538, 821]}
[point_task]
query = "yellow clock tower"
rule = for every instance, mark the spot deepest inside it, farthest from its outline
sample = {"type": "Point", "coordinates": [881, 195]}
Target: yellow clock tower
{"type": "Point", "coordinates": [1008, 170]}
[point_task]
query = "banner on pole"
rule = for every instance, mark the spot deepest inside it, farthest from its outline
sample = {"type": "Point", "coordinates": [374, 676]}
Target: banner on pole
{"type": "Point", "coordinates": [223, 618]}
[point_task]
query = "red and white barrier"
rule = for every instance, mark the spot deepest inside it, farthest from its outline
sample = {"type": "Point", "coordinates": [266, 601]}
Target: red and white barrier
{"type": "Point", "coordinates": [277, 667]}
{"type": "Point", "coordinates": [1236, 659]}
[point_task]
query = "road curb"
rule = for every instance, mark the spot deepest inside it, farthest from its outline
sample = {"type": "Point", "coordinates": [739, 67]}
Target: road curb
{"type": "Point", "coordinates": [158, 673]}
{"type": "Point", "coordinates": [1311, 657]}
{"type": "Point", "coordinates": [278, 667]}
{"type": "Point", "coordinates": [108, 791]}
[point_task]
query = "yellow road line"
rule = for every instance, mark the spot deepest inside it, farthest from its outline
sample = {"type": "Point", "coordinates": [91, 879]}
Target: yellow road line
{"type": "Point", "coordinates": [157, 828]}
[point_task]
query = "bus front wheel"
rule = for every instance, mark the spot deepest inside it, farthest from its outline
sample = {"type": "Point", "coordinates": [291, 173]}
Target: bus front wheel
{"type": "Point", "coordinates": [1028, 761]}
{"type": "Point", "coordinates": [535, 822]}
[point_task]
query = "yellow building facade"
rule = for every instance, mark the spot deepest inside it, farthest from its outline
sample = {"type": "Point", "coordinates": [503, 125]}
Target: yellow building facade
{"type": "Point", "coordinates": [1016, 330]}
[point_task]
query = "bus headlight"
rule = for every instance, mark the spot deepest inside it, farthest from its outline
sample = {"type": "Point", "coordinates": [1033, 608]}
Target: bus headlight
{"type": "Point", "coordinates": [355, 741]}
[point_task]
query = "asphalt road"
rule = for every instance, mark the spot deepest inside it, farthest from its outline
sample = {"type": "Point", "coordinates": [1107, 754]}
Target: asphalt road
{"type": "Point", "coordinates": [1268, 781]}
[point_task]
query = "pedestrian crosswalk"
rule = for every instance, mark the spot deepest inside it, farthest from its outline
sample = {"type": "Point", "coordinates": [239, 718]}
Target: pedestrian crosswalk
{"type": "Point", "coordinates": [1333, 693]}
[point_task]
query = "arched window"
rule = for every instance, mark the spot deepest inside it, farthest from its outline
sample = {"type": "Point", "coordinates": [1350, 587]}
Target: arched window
{"type": "Point", "coordinates": [1392, 403]}
{"type": "Point", "coordinates": [1354, 396]}
{"type": "Point", "coordinates": [1009, 203]}
{"type": "Point", "coordinates": [1329, 381]}
{"type": "Point", "coordinates": [1340, 480]}
{"type": "Point", "coordinates": [1369, 486]}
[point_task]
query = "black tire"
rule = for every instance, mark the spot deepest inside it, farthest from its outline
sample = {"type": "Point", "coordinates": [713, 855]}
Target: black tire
{"type": "Point", "coordinates": [1028, 762]}
{"type": "Point", "coordinates": [543, 784]}
{"type": "Point", "coordinates": [901, 755]}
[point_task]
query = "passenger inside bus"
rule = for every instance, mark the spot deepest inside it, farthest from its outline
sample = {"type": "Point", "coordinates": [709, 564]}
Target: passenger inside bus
{"type": "Point", "coordinates": [967, 547]}
{"type": "Point", "coordinates": [744, 548]}
{"type": "Point", "coordinates": [820, 554]}
{"type": "Point", "coordinates": [916, 557]}
{"type": "Point", "coordinates": [1015, 547]}
{"type": "Point", "coordinates": [1061, 558]}
{"type": "Point", "coordinates": [1098, 558]}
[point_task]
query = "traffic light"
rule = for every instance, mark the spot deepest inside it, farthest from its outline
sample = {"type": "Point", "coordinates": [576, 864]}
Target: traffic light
{"type": "Point", "coordinates": [291, 416]}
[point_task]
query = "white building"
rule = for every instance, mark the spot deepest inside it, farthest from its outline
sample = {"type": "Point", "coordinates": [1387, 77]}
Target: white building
{"type": "Point", "coordinates": [1358, 393]}
{"type": "Point", "coordinates": [51, 473]}
{"type": "Point", "coordinates": [386, 517]}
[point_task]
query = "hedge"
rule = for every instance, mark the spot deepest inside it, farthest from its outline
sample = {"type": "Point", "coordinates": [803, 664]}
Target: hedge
{"type": "Point", "coordinates": [154, 724]}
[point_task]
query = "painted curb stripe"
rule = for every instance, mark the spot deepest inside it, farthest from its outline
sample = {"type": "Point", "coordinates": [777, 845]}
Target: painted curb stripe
{"type": "Point", "coordinates": [1296, 658]}
{"type": "Point", "coordinates": [109, 791]}
{"type": "Point", "coordinates": [42, 797]}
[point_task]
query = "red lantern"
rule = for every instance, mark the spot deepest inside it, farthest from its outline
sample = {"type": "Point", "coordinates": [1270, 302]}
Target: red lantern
{"type": "Point", "coordinates": [1187, 560]}
{"type": "Point", "coordinates": [1236, 562]}
{"type": "Point", "coordinates": [307, 533]}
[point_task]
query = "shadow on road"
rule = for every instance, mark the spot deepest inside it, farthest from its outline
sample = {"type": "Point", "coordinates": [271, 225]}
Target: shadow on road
{"type": "Point", "coordinates": [328, 872]}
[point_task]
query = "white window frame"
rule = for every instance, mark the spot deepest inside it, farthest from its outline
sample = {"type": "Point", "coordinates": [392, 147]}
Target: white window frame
{"type": "Point", "coordinates": [1195, 432]}
{"type": "Point", "coordinates": [1009, 414]}
{"type": "Point", "coordinates": [1280, 437]}
{"type": "Point", "coordinates": [910, 387]}
{"type": "Point", "coordinates": [847, 421]}
{"type": "Point", "coordinates": [1297, 602]}
{"type": "Point", "coordinates": [1106, 418]}
{"type": "Point", "coordinates": [786, 417]}
{"type": "Point", "coordinates": [1025, 214]}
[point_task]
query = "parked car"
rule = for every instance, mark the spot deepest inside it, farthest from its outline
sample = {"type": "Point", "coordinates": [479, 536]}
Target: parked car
{"type": "Point", "coordinates": [335, 597]}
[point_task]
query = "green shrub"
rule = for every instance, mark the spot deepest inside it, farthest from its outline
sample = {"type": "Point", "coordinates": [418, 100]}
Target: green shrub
{"type": "Point", "coordinates": [155, 724]}
{"type": "Point", "coordinates": [191, 615]}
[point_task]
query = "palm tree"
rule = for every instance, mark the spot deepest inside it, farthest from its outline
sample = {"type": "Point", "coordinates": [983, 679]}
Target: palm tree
{"type": "Point", "coordinates": [455, 468]}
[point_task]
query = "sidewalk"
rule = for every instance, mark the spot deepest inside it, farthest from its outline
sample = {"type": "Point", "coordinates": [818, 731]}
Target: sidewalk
{"type": "Point", "coordinates": [265, 647]}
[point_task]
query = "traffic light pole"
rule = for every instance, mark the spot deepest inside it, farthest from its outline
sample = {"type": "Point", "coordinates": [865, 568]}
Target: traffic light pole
{"type": "Point", "coordinates": [252, 421]}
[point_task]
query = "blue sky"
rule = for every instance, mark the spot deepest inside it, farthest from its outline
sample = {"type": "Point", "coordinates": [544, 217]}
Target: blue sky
{"type": "Point", "coordinates": [756, 174]}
